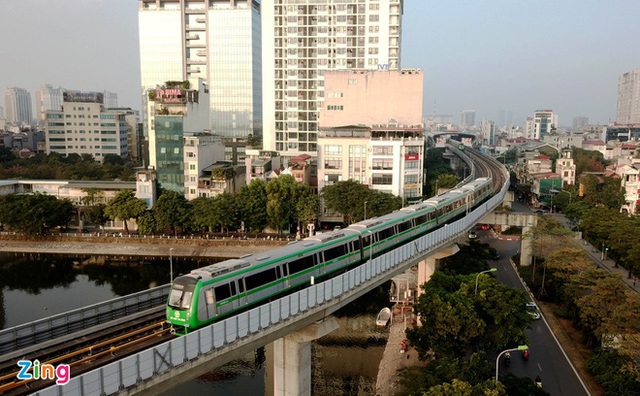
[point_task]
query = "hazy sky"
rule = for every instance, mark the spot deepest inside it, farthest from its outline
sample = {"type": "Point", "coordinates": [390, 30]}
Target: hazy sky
{"type": "Point", "coordinates": [515, 55]}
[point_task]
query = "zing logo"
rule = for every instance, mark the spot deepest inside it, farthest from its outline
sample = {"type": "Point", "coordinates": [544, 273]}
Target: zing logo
{"type": "Point", "coordinates": [45, 371]}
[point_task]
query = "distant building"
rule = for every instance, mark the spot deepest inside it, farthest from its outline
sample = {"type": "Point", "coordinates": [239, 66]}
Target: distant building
{"type": "Point", "coordinates": [579, 123]}
{"type": "Point", "coordinates": [628, 105]}
{"type": "Point", "coordinates": [17, 102]}
{"type": "Point", "coordinates": [566, 168]}
{"type": "Point", "coordinates": [48, 99]}
{"type": "Point", "coordinates": [110, 100]}
{"type": "Point", "coordinates": [621, 132]}
{"type": "Point", "coordinates": [219, 178]}
{"type": "Point", "coordinates": [467, 119]}
{"type": "Point", "coordinates": [82, 126]}
{"type": "Point", "coordinates": [262, 164]}
{"type": "Point", "coordinates": [488, 133]}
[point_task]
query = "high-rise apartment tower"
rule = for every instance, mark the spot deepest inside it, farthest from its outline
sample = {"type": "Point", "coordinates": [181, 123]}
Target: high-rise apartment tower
{"type": "Point", "coordinates": [302, 39]}
{"type": "Point", "coordinates": [17, 102]}
{"type": "Point", "coordinates": [628, 109]}
{"type": "Point", "coordinates": [217, 41]}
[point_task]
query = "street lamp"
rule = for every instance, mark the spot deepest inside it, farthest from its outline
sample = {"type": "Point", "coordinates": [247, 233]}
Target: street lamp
{"type": "Point", "coordinates": [519, 348]}
{"type": "Point", "coordinates": [171, 265]}
{"type": "Point", "coordinates": [475, 294]}
{"type": "Point", "coordinates": [365, 210]}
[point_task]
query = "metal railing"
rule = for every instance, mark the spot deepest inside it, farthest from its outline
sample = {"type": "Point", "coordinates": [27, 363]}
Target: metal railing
{"type": "Point", "coordinates": [43, 330]}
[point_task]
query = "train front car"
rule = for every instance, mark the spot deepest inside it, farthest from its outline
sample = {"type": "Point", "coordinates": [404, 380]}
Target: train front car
{"type": "Point", "coordinates": [183, 297]}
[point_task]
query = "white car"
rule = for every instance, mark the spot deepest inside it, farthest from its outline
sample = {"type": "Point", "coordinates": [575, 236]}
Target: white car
{"type": "Point", "coordinates": [472, 235]}
{"type": "Point", "coordinates": [532, 309]}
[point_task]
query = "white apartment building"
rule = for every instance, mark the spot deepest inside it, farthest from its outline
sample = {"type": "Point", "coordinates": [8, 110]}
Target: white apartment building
{"type": "Point", "coordinates": [17, 102]}
{"type": "Point", "coordinates": [301, 41]}
{"type": "Point", "coordinates": [488, 133]}
{"type": "Point", "coordinates": [628, 106]}
{"type": "Point", "coordinates": [82, 126]}
{"type": "Point", "coordinates": [200, 151]}
{"type": "Point", "coordinates": [566, 168]}
{"type": "Point", "coordinates": [48, 98]}
{"type": "Point", "coordinates": [217, 41]}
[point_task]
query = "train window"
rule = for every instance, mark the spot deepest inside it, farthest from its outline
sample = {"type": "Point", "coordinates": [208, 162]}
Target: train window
{"type": "Point", "coordinates": [404, 226]}
{"type": "Point", "coordinates": [356, 245]}
{"type": "Point", "coordinates": [384, 234]}
{"type": "Point", "coordinates": [421, 219]}
{"type": "Point", "coordinates": [208, 295]}
{"type": "Point", "coordinates": [278, 272]}
{"type": "Point", "coordinates": [366, 241]}
{"type": "Point", "coordinates": [233, 288]}
{"type": "Point", "coordinates": [180, 296]}
{"type": "Point", "coordinates": [261, 278]}
{"type": "Point", "coordinates": [301, 264]}
{"type": "Point", "coordinates": [222, 292]}
{"type": "Point", "coordinates": [240, 285]}
{"type": "Point", "coordinates": [335, 252]}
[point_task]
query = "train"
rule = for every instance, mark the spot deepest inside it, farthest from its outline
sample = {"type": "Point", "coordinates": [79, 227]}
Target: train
{"type": "Point", "coordinates": [220, 290]}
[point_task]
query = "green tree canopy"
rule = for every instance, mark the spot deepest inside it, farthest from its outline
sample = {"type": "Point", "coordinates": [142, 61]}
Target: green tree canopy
{"type": "Point", "coordinates": [171, 210]}
{"type": "Point", "coordinates": [34, 214]}
{"type": "Point", "coordinates": [125, 206]}
{"type": "Point", "coordinates": [252, 205]}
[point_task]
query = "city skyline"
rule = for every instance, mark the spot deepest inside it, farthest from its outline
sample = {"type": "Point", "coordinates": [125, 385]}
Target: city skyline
{"type": "Point", "coordinates": [493, 56]}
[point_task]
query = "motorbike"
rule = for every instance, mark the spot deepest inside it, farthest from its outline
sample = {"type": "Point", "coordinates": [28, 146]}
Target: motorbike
{"type": "Point", "coordinates": [507, 360]}
{"type": "Point", "coordinates": [525, 355]}
{"type": "Point", "coordinates": [538, 382]}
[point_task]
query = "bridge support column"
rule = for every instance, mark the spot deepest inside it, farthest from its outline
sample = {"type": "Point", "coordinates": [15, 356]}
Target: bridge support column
{"type": "Point", "coordinates": [428, 266]}
{"type": "Point", "coordinates": [525, 248]}
{"type": "Point", "coordinates": [289, 360]}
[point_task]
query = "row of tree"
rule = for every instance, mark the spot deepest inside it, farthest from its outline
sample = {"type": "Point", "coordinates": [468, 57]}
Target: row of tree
{"type": "Point", "coordinates": [596, 301]}
{"type": "Point", "coordinates": [59, 167]}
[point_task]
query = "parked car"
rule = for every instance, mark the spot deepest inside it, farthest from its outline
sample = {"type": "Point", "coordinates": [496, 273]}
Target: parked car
{"type": "Point", "coordinates": [532, 309]}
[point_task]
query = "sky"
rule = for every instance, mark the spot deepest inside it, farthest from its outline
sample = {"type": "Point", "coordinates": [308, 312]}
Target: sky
{"type": "Point", "coordinates": [486, 55]}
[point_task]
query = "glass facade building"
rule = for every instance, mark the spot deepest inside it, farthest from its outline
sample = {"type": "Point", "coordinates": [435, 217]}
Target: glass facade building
{"type": "Point", "coordinates": [218, 41]}
{"type": "Point", "coordinates": [169, 147]}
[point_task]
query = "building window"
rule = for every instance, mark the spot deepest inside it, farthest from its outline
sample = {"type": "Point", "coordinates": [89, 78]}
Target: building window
{"type": "Point", "coordinates": [412, 164]}
{"type": "Point", "coordinates": [379, 178]}
{"type": "Point", "coordinates": [332, 150]}
{"type": "Point", "coordinates": [382, 150]}
{"type": "Point", "coordinates": [333, 163]}
{"type": "Point", "coordinates": [382, 164]}
{"type": "Point", "coordinates": [411, 179]}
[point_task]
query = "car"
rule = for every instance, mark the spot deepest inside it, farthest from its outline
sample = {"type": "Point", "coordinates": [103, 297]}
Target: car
{"type": "Point", "coordinates": [472, 235]}
{"type": "Point", "coordinates": [495, 256]}
{"type": "Point", "coordinates": [532, 310]}
{"type": "Point", "coordinates": [484, 227]}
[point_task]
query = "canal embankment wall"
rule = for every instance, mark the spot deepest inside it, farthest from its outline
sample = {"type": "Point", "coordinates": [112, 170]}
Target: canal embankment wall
{"type": "Point", "coordinates": [221, 247]}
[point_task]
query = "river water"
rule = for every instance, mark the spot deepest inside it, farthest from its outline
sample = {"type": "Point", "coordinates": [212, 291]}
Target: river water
{"type": "Point", "coordinates": [33, 287]}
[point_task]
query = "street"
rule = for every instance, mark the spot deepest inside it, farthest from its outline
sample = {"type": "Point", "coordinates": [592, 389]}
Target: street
{"type": "Point", "coordinates": [546, 357]}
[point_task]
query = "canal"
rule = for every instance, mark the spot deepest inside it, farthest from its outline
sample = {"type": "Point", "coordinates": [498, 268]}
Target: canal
{"type": "Point", "coordinates": [36, 286]}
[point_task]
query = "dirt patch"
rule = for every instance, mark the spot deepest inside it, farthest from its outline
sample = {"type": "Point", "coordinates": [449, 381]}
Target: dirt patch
{"type": "Point", "coordinates": [572, 341]}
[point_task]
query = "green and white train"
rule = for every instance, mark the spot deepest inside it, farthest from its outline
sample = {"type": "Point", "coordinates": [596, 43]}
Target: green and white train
{"type": "Point", "coordinates": [223, 289]}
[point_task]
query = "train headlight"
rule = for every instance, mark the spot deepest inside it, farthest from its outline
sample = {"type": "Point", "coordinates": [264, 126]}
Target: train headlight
{"type": "Point", "coordinates": [187, 316]}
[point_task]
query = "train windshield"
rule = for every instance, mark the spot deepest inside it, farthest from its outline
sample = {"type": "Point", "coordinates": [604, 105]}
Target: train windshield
{"type": "Point", "coordinates": [181, 294]}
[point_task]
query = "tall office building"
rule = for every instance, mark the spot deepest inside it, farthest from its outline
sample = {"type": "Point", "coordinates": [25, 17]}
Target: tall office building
{"type": "Point", "coordinates": [488, 133]}
{"type": "Point", "coordinates": [628, 108]}
{"type": "Point", "coordinates": [579, 123]}
{"type": "Point", "coordinates": [110, 100]}
{"type": "Point", "coordinates": [17, 102]}
{"type": "Point", "coordinates": [467, 119]}
{"type": "Point", "coordinates": [217, 41]}
{"type": "Point", "coordinates": [48, 98]}
{"type": "Point", "coordinates": [301, 40]}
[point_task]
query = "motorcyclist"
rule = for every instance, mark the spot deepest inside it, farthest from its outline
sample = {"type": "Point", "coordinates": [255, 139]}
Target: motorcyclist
{"type": "Point", "coordinates": [507, 359]}
{"type": "Point", "coordinates": [538, 381]}
{"type": "Point", "coordinates": [525, 354]}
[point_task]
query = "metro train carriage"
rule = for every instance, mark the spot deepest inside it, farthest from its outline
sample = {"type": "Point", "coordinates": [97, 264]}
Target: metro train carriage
{"type": "Point", "coordinates": [219, 290]}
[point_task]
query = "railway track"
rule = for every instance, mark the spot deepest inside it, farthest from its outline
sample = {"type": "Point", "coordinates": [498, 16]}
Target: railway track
{"type": "Point", "coordinates": [86, 352]}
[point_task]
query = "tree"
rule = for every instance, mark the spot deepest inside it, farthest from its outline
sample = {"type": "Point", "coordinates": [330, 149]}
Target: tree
{"type": "Point", "coordinates": [34, 214]}
{"type": "Point", "coordinates": [96, 215]}
{"type": "Point", "coordinates": [171, 210]}
{"type": "Point", "coordinates": [307, 208]}
{"type": "Point", "coordinates": [457, 322]}
{"type": "Point", "coordinates": [346, 198]}
{"type": "Point", "coordinates": [113, 159]}
{"type": "Point", "coordinates": [147, 223]}
{"type": "Point", "coordinates": [203, 214]}
{"type": "Point", "coordinates": [252, 205]}
{"type": "Point", "coordinates": [125, 206]}
{"type": "Point", "coordinates": [281, 202]}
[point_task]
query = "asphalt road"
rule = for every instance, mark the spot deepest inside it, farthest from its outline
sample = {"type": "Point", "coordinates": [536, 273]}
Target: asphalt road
{"type": "Point", "coordinates": [546, 357]}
